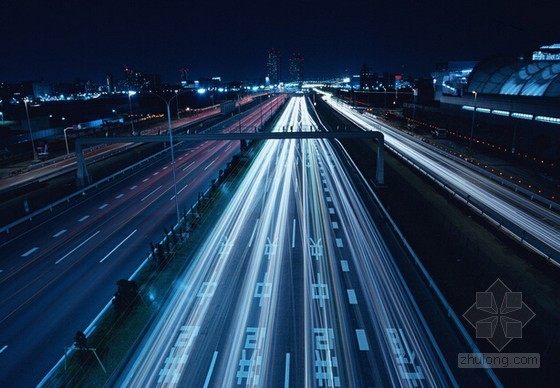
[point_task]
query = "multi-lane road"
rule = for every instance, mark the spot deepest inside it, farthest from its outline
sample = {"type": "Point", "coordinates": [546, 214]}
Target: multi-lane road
{"type": "Point", "coordinates": [530, 221]}
{"type": "Point", "coordinates": [297, 286]}
{"type": "Point", "coordinates": [59, 271]}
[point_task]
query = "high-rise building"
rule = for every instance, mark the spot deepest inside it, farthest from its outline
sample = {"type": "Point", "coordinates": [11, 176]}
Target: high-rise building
{"type": "Point", "coordinates": [296, 68]}
{"type": "Point", "coordinates": [110, 83]}
{"type": "Point", "coordinates": [273, 66]}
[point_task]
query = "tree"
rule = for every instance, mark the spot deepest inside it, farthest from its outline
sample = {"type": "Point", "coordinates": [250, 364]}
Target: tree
{"type": "Point", "coordinates": [127, 291]}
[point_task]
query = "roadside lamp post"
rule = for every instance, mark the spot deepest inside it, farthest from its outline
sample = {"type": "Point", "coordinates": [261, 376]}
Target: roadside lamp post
{"type": "Point", "coordinates": [170, 130]}
{"type": "Point", "coordinates": [177, 101]}
{"type": "Point", "coordinates": [66, 140]}
{"type": "Point", "coordinates": [131, 93]}
{"type": "Point", "coordinates": [25, 100]}
{"type": "Point", "coordinates": [475, 93]}
{"type": "Point", "coordinates": [384, 98]}
{"type": "Point", "coordinates": [415, 91]}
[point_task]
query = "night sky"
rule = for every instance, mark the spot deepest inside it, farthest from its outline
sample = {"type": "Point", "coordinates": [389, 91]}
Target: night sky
{"type": "Point", "coordinates": [60, 40]}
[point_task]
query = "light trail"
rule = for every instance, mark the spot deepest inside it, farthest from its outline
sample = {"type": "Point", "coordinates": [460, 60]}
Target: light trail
{"type": "Point", "coordinates": [526, 215]}
{"type": "Point", "coordinates": [257, 311]}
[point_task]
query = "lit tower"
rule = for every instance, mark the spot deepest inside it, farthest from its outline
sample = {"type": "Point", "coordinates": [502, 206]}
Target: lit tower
{"type": "Point", "coordinates": [296, 68]}
{"type": "Point", "coordinates": [273, 66]}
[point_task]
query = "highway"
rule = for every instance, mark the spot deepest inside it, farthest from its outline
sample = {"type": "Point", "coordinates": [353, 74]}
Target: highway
{"type": "Point", "coordinates": [59, 271]}
{"type": "Point", "coordinates": [295, 286]}
{"type": "Point", "coordinates": [527, 218]}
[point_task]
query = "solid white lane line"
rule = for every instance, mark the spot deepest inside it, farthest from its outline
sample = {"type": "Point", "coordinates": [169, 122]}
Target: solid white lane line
{"type": "Point", "coordinates": [179, 192]}
{"type": "Point", "coordinates": [339, 243]}
{"type": "Point", "coordinates": [188, 166]}
{"type": "Point", "coordinates": [133, 187]}
{"type": "Point", "coordinates": [344, 265]}
{"type": "Point", "coordinates": [253, 234]}
{"type": "Point", "coordinates": [294, 234]}
{"type": "Point", "coordinates": [150, 193]}
{"type": "Point", "coordinates": [210, 370]}
{"type": "Point", "coordinates": [352, 296]}
{"type": "Point", "coordinates": [207, 167]}
{"type": "Point", "coordinates": [83, 218]}
{"type": "Point", "coordinates": [335, 225]}
{"type": "Point", "coordinates": [362, 339]}
{"type": "Point", "coordinates": [75, 249]}
{"type": "Point", "coordinates": [119, 196]}
{"type": "Point", "coordinates": [115, 248]}
{"type": "Point", "coordinates": [29, 252]}
{"type": "Point", "coordinates": [287, 372]}
{"type": "Point", "coordinates": [4, 348]}
{"type": "Point", "coordinates": [60, 233]}
{"type": "Point", "coordinates": [103, 206]}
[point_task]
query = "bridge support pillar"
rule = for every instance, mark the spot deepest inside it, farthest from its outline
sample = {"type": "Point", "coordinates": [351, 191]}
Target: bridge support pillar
{"type": "Point", "coordinates": [82, 174]}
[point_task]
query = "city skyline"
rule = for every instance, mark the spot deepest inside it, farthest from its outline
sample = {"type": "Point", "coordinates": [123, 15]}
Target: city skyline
{"type": "Point", "coordinates": [231, 40]}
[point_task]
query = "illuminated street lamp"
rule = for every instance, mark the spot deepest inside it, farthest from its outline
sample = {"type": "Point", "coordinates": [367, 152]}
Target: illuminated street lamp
{"type": "Point", "coordinates": [167, 103]}
{"type": "Point", "coordinates": [131, 93]}
{"type": "Point", "coordinates": [25, 100]}
{"type": "Point", "coordinates": [473, 117]}
{"type": "Point", "coordinates": [66, 140]}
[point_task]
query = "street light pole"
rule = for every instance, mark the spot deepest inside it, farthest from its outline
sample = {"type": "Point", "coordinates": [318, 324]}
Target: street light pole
{"type": "Point", "coordinates": [170, 130]}
{"type": "Point", "coordinates": [30, 131]}
{"type": "Point", "coordinates": [177, 101]}
{"type": "Point", "coordinates": [66, 140]}
{"type": "Point", "coordinates": [473, 118]}
{"type": "Point", "coordinates": [384, 98]}
{"type": "Point", "coordinates": [131, 93]}
{"type": "Point", "coordinates": [415, 91]}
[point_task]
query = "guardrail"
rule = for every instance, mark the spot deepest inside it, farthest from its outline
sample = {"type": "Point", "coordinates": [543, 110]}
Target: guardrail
{"type": "Point", "coordinates": [522, 236]}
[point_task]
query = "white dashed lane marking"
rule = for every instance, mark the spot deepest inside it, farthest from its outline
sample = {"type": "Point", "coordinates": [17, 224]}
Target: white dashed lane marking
{"type": "Point", "coordinates": [60, 233]}
{"type": "Point", "coordinates": [83, 218]}
{"type": "Point", "coordinates": [29, 252]}
{"type": "Point", "coordinates": [362, 339]}
{"type": "Point", "coordinates": [352, 297]}
{"type": "Point", "coordinates": [344, 265]}
{"type": "Point", "coordinates": [103, 206]}
{"type": "Point", "coordinates": [119, 196]}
